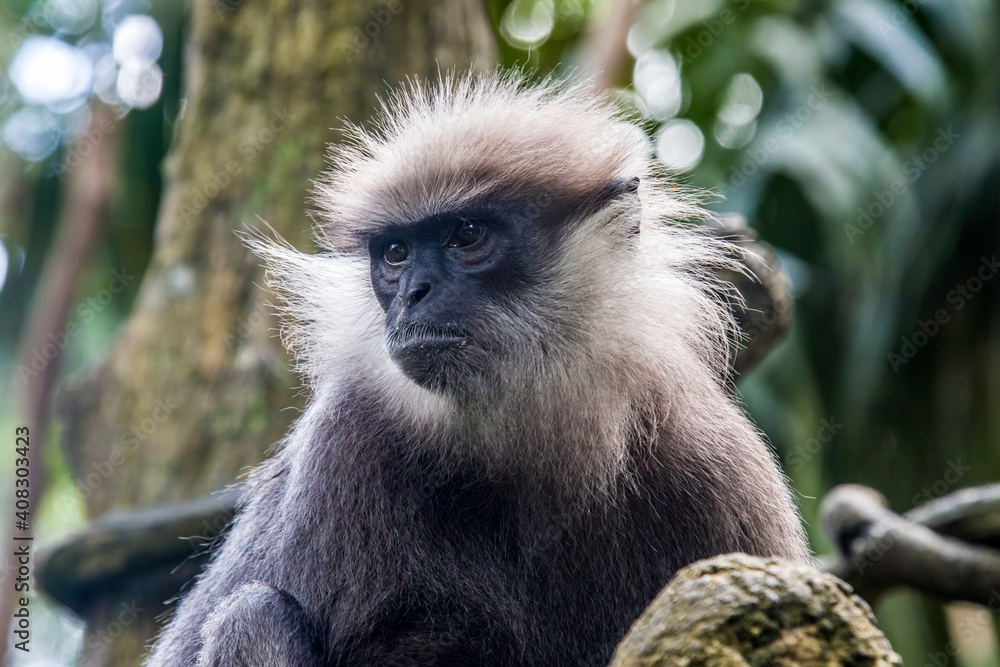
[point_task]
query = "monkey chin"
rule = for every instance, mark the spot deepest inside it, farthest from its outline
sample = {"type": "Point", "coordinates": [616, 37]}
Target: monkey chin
{"type": "Point", "coordinates": [433, 362]}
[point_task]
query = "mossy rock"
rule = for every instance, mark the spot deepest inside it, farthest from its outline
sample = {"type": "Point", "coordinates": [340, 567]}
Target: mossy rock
{"type": "Point", "coordinates": [744, 611]}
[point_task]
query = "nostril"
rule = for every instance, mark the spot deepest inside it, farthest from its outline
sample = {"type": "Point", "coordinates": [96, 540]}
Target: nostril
{"type": "Point", "coordinates": [417, 293]}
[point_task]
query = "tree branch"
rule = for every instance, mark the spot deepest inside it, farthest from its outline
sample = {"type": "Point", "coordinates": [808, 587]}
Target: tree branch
{"type": "Point", "coordinates": [880, 550]}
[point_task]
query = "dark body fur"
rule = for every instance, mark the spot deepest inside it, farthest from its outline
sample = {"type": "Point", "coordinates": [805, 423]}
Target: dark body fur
{"type": "Point", "coordinates": [403, 561]}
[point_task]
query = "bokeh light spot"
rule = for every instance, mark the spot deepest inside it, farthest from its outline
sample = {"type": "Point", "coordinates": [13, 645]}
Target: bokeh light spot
{"type": "Point", "coordinates": [680, 144]}
{"type": "Point", "coordinates": [50, 72]}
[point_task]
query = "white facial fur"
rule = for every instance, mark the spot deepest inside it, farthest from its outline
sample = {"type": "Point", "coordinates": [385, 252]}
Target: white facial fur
{"type": "Point", "coordinates": [633, 331]}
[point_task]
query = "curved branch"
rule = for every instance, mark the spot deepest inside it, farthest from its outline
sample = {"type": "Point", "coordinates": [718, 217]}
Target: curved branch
{"type": "Point", "coordinates": [881, 550]}
{"type": "Point", "coordinates": [972, 515]}
{"type": "Point", "coordinates": [156, 550]}
{"type": "Point", "coordinates": [765, 313]}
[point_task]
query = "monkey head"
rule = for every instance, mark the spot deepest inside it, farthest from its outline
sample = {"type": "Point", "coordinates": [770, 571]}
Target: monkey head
{"type": "Point", "coordinates": [465, 210]}
{"type": "Point", "coordinates": [482, 243]}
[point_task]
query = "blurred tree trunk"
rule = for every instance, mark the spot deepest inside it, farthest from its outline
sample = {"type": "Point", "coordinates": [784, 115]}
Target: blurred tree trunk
{"type": "Point", "coordinates": [193, 391]}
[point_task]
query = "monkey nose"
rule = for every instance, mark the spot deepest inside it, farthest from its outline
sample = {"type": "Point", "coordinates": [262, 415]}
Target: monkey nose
{"type": "Point", "coordinates": [416, 293]}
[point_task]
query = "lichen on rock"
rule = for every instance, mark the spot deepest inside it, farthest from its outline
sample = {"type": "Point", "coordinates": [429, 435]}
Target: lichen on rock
{"type": "Point", "coordinates": [745, 611]}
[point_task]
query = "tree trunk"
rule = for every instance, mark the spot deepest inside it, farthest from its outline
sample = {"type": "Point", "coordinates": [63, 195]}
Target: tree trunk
{"type": "Point", "coordinates": [194, 389]}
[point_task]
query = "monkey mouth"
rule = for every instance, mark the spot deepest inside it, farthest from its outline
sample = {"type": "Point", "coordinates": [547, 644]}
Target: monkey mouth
{"type": "Point", "coordinates": [427, 353]}
{"type": "Point", "coordinates": [409, 337]}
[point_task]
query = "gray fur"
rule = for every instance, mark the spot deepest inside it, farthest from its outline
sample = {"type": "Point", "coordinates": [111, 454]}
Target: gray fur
{"type": "Point", "coordinates": [529, 517]}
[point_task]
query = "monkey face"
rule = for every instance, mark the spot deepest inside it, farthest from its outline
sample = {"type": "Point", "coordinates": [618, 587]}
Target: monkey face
{"type": "Point", "coordinates": [468, 294]}
{"type": "Point", "coordinates": [441, 282]}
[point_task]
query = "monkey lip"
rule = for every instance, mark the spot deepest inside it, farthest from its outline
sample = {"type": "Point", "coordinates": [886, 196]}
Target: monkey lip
{"type": "Point", "coordinates": [415, 338]}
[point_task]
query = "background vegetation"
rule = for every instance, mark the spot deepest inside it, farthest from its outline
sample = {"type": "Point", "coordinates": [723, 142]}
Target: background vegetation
{"type": "Point", "coordinates": [861, 138]}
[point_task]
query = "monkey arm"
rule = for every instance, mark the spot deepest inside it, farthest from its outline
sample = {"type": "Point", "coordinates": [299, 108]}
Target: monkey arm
{"type": "Point", "coordinates": [259, 625]}
{"type": "Point", "coordinates": [237, 563]}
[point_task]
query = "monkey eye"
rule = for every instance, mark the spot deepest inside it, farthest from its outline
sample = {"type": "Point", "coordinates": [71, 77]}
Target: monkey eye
{"type": "Point", "coordinates": [396, 252]}
{"type": "Point", "coordinates": [467, 234]}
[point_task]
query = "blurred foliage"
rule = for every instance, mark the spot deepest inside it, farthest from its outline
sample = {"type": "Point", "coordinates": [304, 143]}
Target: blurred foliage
{"type": "Point", "coordinates": [860, 137]}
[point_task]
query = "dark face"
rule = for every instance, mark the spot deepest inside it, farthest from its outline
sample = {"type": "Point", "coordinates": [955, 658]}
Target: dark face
{"type": "Point", "coordinates": [437, 282]}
